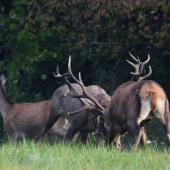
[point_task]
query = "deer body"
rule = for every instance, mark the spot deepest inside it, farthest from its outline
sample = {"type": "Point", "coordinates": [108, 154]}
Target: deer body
{"type": "Point", "coordinates": [79, 122]}
{"type": "Point", "coordinates": [27, 119]}
{"type": "Point", "coordinates": [133, 104]}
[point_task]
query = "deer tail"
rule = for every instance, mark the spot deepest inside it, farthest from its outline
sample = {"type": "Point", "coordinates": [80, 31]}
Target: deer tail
{"type": "Point", "coordinates": [154, 99]}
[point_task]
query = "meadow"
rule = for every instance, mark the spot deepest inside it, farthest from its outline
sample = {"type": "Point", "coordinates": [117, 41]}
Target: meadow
{"type": "Point", "coordinates": [29, 156]}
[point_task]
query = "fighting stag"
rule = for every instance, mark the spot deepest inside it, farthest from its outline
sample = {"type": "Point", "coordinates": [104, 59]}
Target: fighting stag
{"type": "Point", "coordinates": [62, 103]}
{"type": "Point", "coordinates": [132, 105]}
{"type": "Point", "coordinates": [27, 119]}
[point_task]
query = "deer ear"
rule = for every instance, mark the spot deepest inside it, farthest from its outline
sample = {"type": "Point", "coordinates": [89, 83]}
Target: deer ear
{"type": "Point", "coordinates": [2, 79]}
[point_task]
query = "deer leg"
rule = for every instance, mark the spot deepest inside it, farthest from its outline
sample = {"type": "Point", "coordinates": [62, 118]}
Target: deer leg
{"type": "Point", "coordinates": [163, 115]}
{"type": "Point", "coordinates": [9, 137]}
{"type": "Point", "coordinates": [71, 133]}
{"type": "Point", "coordinates": [84, 137]}
{"type": "Point", "coordinates": [168, 134]}
{"type": "Point", "coordinates": [113, 135]}
{"type": "Point", "coordinates": [77, 136]}
{"type": "Point", "coordinates": [14, 139]}
{"type": "Point", "coordinates": [75, 127]}
{"type": "Point", "coordinates": [137, 136]}
{"type": "Point", "coordinates": [118, 143]}
{"type": "Point", "coordinates": [144, 137]}
{"type": "Point", "coordinates": [50, 122]}
{"type": "Point", "coordinates": [135, 129]}
{"type": "Point", "coordinates": [166, 126]}
{"type": "Point", "coordinates": [99, 139]}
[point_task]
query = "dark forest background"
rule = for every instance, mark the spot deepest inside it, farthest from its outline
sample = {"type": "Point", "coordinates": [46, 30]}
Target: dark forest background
{"type": "Point", "coordinates": [37, 35]}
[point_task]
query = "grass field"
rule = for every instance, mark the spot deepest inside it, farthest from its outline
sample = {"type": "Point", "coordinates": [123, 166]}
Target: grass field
{"type": "Point", "coordinates": [29, 156]}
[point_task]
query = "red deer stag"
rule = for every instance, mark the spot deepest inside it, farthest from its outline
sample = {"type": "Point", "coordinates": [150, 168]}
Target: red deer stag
{"type": "Point", "coordinates": [27, 119]}
{"type": "Point", "coordinates": [133, 104]}
{"type": "Point", "coordinates": [62, 104]}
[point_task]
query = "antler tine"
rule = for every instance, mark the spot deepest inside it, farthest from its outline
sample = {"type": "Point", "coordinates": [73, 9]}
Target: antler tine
{"type": "Point", "coordinates": [135, 66]}
{"type": "Point", "coordinates": [57, 70]}
{"type": "Point", "coordinates": [58, 75]}
{"type": "Point", "coordinates": [85, 93]}
{"type": "Point", "coordinates": [133, 57]}
{"type": "Point", "coordinates": [147, 75]}
{"type": "Point", "coordinates": [80, 79]}
{"type": "Point", "coordinates": [147, 59]}
{"type": "Point", "coordinates": [136, 74]}
{"type": "Point", "coordinates": [70, 71]}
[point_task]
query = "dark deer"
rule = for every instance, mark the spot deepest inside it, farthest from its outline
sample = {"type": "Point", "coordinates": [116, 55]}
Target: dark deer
{"type": "Point", "coordinates": [133, 104]}
{"type": "Point", "coordinates": [27, 119]}
{"type": "Point", "coordinates": [62, 104]}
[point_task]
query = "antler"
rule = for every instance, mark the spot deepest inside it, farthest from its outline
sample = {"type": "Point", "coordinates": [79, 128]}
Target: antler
{"type": "Point", "coordinates": [58, 75]}
{"type": "Point", "coordinates": [147, 75]}
{"type": "Point", "coordinates": [139, 68]}
{"type": "Point", "coordinates": [88, 104]}
{"type": "Point", "coordinates": [71, 89]}
{"type": "Point", "coordinates": [85, 93]}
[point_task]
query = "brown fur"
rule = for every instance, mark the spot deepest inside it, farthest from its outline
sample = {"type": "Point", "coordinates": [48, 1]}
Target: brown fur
{"type": "Point", "coordinates": [79, 122]}
{"type": "Point", "coordinates": [154, 99]}
{"type": "Point", "coordinates": [27, 119]}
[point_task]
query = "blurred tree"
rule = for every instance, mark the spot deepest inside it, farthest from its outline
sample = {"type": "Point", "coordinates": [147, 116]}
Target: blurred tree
{"type": "Point", "coordinates": [37, 35]}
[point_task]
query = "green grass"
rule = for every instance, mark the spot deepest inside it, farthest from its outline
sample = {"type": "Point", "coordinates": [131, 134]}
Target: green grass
{"type": "Point", "coordinates": [29, 156]}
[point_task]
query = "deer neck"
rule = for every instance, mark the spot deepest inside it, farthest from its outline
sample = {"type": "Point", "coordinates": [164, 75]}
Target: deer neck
{"type": "Point", "coordinates": [5, 103]}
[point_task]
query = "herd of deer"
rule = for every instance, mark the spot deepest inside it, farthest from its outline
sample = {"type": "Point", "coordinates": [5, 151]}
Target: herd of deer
{"type": "Point", "coordinates": [76, 110]}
